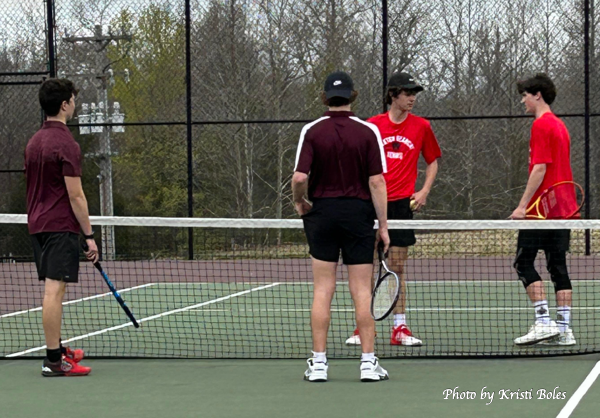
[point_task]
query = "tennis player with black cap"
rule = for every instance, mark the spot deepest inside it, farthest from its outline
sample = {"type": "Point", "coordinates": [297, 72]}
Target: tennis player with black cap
{"type": "Point", "coordinates": [405, 138]}
{"type": "Point", "coordinates": [56, 212]}
{"type": "Point", "coordinates": [339, 167]}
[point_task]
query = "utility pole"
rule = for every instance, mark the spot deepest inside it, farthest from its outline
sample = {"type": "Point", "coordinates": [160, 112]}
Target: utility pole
{"type": "Point", "coordinates": [100, 42]}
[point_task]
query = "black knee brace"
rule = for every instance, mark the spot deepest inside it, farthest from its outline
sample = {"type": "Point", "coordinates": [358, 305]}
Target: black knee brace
{"type": "Point", "coordinates": [556, 264]}
{"type": "Point", "coordinates": [524, 266]}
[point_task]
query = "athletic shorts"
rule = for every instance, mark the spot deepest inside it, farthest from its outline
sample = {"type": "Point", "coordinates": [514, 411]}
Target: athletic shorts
{"type": "Point", "coordinates": [341, 224]}
{"type": "Point", "coordinates": [56, 255]}
{"type": "Point", "coordinates": [544, 239]}
{"type": "Point", "coordinates": [400, 210]}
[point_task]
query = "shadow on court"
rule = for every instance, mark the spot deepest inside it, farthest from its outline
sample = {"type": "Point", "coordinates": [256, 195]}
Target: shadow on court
{"type": "Point", "coordinates": [274, 388]}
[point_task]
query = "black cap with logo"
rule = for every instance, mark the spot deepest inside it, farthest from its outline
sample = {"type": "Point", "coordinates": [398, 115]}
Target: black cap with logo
{"type": "Point", "coordinates": [338, 84]}
{"type": "Point", "coordinates": [404, 81]}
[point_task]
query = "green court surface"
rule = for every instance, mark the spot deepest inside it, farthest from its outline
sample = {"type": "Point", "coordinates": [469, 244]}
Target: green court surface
{"type": "Point", "coordinates": [271, 320]}
{"type": "Point", "coordinates": [274, 388]}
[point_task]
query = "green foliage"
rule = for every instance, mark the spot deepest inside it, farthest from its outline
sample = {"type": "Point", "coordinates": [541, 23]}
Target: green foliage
{"type": "Point", "coordinates": [150, 174]}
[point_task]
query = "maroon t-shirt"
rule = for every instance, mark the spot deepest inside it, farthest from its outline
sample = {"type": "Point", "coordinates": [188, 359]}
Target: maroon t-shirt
{"type": "Point", "coordinates": [51, 154]}
{"type": "Point", "coordinates": [340, 152]}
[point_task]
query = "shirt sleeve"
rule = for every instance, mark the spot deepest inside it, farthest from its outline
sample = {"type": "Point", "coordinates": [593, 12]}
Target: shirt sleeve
{"type": "Point", "coordinates": [304, 155]}
{"type": "Point", "coordinates": [70, 159]}
{"type": "Point", "coordinates": [540, 151]}
{"type": "Point", "coordinates": [375, 154]}
{"type": "Point", "coordinates": [431, 149]}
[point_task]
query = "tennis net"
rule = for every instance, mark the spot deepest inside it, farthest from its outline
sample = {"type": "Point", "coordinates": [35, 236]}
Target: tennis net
{"type": "Point", "coordinates": [248, 291]}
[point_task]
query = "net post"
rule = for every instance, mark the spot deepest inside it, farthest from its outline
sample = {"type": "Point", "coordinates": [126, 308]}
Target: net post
{"type": "Point", "coordinates": [587, 120]}
{"type": "Point", "coordinates": [188, 84]}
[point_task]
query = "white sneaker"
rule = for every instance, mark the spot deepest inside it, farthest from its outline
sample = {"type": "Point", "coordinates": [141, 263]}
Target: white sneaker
{"type": "Point", "coordinates": [565, 338]}
{"type": "Point", "coordinates": [538, 332]}
{"type": "Point", "coordinates": [316, 372]}
{"type": "Point", "coordinates": [372, 372]}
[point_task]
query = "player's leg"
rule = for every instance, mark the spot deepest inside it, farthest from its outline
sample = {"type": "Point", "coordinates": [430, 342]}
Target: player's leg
{"type": "Point", "coordinates": [59, 265]}
{"type": "Point", "coordinates": [54, 292]}
{"type": "Point", "coordinates": [357, 241]}
{"type": "Point", "coordinates": [527, 249]}
{"type": "Point", "coordinates": [324, 289]}
{"type": "Point", "coordinates": [401, 333]}
{"type": "Point", "coordinates": [556, 263]}
{"type": "Point", "coordinates": [400, 240]}
{"type": "Point", "coordinates": [320, 317]}
{"type": "Point", "coordinates": [360, 288]}
{"type": "Point", "coordinates": [325, 252]}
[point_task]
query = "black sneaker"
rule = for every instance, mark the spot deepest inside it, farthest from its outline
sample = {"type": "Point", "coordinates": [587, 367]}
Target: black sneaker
{"type": "Point", "coordinates": [58, 368]}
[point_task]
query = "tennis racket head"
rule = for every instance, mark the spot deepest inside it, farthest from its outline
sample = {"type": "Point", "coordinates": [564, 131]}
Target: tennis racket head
{"type": "Point", "coordinates": [562, 200]}
{"type": "Point", "coordinates": [386, 290]}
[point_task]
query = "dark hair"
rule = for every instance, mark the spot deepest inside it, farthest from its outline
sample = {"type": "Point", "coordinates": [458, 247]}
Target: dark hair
{"type": "Point", "coordinates": [338, 101]}
{"type": "Point", "coordinates": [54, 92]}
{"type": "Point", "coordinates": [395, 92]}
{"type": "Point", "coordinates": [540, 83]}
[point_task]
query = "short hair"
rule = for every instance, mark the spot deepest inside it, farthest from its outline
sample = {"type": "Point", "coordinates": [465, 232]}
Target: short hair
{"type": "Point", "coordinates": [540, 83]}
{"type": "Point", "coordinates": [338, 101]}
{"type": "Point", "coordinates": [395, 92]}
{"type": "Point", "coordinates": [54, 92]}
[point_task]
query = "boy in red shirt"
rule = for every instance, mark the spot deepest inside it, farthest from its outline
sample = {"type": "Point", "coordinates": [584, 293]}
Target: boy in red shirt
{"type": "Point", "coordinates": [549, 163]}
{"type": "Point", "coordinates": [405, 137]}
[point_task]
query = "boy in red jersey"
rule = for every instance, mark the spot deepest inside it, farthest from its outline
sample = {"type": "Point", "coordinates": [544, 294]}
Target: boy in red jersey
{"type": "Point", "coordinates": [405, 137]}
{"type": "Point", "coordinates": [549, 163]}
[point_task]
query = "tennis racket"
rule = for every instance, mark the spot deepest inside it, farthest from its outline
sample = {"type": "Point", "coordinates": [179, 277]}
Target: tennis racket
{"type": "Point", "coordinates": [386, 290]}
{"type": "Point", "coordinates": [562, 200]}
{"type": "Point", "coordinates": [113, 290]}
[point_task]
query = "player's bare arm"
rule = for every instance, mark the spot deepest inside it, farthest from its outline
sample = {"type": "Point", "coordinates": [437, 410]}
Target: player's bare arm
{"type": "Point", "coordinates": [420, 197]}
{"type": "Point", "coordinates": [299, 189]}
{"type": "Point", "coordinates": [533, 183]}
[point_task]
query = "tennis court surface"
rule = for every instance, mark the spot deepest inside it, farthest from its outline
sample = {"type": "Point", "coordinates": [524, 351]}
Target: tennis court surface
{"type": "Point", "coordinates": [244, 303]}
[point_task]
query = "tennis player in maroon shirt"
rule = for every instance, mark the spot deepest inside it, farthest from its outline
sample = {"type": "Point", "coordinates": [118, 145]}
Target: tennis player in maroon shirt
{"type": "Point", "coordinates": [56, 212]}
{"type": "Point", "coordinates": [339, 167]}
{"type": "Point", "coordinates": [405, 138]}
{"type": "Point", "coordinates": [549, 163]}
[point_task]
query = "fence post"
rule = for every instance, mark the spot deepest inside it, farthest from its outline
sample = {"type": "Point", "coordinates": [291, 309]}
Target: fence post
{"type": "Point", "coordinates": [384, 45]}
{"type": "Point", "coordinates": [188, 85]}
{"type": "Point", "coordinates": [50, 38]}
{"type": "Point", "coordinates": [587, 120]}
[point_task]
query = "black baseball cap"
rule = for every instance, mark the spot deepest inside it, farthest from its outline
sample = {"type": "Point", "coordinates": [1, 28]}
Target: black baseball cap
{"type": "Point", "coordinates": [404, 81]}
{"type": "Point", "coordinates": [338, 84]}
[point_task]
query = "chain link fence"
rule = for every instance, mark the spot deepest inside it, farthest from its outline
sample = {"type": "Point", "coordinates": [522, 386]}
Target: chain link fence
{"type": "Point", "coordinates": [256, 68]}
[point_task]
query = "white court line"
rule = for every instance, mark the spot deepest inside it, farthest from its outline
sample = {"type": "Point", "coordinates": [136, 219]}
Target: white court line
{"type": "Point", "coordinates": [491, 309]}
{"type": "Point", "coordinates": [345, 282]}
{"type": "Point", "coordinates": [70, 302]}
{"type": "Point", "coordinates": [149, 318]}
{"type": "Point", "coordinates": [580, 392]}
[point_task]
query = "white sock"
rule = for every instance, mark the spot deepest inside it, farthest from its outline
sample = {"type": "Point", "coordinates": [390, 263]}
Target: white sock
{"type": "Point", "coordinates": [542, 313]}
{"type": "Point", "coordinates": [368, 357]}
{"type": "Point", "coordinates": [563, 317]}
{"type": "Point", "coordinates": [399, 319]}
{"type": "Point", "coordinates": [319, 357]}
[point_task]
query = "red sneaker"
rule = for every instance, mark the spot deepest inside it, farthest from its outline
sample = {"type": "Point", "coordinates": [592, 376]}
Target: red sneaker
{"type": "Point", "coordinates": [65, 367]}
{"type": "Point", "coordinates": [354, 338]}
{"type": "Point", "coordinates": [401, 335]}
{"type": "Point", "coordinates": [76, 355]}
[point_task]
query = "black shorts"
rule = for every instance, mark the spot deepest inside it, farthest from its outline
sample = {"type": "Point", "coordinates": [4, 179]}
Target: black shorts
{"type": "Point", "coordinates": [344, 224]}
{"type": "Point", "coordinates": [544, 239]}
{"type": "Point", "coordinates": [56, 255]}
{"type": "Point", "coordinates": [400, 210]}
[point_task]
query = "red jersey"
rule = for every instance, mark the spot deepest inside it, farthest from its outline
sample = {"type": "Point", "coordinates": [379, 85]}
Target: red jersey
{"type": "Point", "coordinates": [403, 143]}
{"type": "Point", "coordinates": [550, 144]}
{"type": "Point", "coordinates": [51, 155]}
